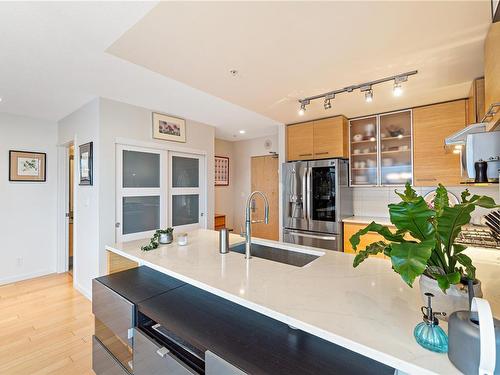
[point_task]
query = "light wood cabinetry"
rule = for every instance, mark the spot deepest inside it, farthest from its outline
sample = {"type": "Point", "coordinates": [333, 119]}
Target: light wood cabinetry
{"type": "Point", "coordinates": [321, 139]}
{"type": "Point", "coordinates": [492, 73]}
{"type": "Point", "coordinates": [300, 141]}
{"type": "Point", "coordinates": [475, 101]}
{"type": "Point", "coordinates": [219, 221]}
{"type": "Point", "coordinates": [330, 138]}
{"type": "Point", "coordinates": [432, 162]}
{"type": "Point", "coordinates": [350, 229]}
{"type": "Point", "coordinates": [117, 263]}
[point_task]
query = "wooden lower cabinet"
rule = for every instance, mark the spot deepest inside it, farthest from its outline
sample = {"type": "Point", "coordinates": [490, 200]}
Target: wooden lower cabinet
{"type": "Point", "coordinates": [434, 163]}
{"type": "Point", "coordinates": [117, 263]}
{"type": "Point", "coordinates": [219, 221]}
{"type": "Point", "coordinates": [350, 229]}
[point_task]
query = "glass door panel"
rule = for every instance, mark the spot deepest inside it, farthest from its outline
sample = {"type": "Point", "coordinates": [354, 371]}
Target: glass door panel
{"type": "Point", "coordinates": [323, 193]}
{"type": "Point", "coordinates": [364, 151]}
{"type": "Point", "coordinates": [395, 148]}
{"type": "Point", "coordinates": [187, 191]}
{"type": "Point", "coordinates": [141, 169]}
{"type": "Point", "coordinates": [140, 214]}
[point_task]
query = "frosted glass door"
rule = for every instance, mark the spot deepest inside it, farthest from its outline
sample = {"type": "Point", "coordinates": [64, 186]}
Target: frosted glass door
{"type": "Point", "coordinates": [187, 191]}
{"type": "Point", "coordinates": [140, 198]}
{"type": "Point", "coordinates": [364, 151]}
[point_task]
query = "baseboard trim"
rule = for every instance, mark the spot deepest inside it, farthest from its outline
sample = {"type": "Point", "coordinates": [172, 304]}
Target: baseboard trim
{"type": "Point", "coordinates": [26, 276]}
{"type": "Point", "coordinates": [86, 293]}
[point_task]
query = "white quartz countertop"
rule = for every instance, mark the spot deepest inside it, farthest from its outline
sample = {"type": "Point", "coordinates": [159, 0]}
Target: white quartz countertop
{"type": "Point", "coordinates": [367, 309]}
{"type": "Point", "coordinates": [367, 220]}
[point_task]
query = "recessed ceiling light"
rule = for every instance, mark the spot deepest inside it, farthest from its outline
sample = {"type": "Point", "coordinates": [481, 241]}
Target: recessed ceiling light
{"type": "Point", "coordinates": [233, 72]}
{"type": "Point", "coordinates": [242, 131]}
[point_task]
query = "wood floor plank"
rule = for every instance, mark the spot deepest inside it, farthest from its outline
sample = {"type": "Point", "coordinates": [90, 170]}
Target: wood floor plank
{"type": "Point", "coordinates": [45, 328]}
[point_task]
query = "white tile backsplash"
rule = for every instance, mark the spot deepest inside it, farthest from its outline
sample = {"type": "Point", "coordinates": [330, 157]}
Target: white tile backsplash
{"type": "Point", "coordinates": [373, 201]}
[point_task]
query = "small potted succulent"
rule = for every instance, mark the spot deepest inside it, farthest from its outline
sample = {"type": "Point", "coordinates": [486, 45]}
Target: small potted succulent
{"type": "Point", "coordinates": [424, 245]}
{"type": "Point", "coordinates": [161, 236]}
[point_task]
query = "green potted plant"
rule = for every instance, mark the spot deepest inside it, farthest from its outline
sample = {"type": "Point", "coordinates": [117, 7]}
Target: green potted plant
{"type": "Point", "coordinates": [161, 236]}
{"type": "Point", "coordinates": [424, 245]}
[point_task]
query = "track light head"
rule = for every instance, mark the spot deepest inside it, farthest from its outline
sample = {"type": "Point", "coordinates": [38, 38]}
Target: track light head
{"type": "Point", "coordinates": [327, 104]}
{"type": "Point", "coordinates": [369, 95]}
{"type": "Point", "coordinates": [303, 104]}
{"type": "Point", "coordinates": [397, 90]}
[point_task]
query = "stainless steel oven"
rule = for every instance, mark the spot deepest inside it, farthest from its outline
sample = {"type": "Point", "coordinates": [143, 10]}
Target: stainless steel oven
{"type": "Point", "coordinates": [316, 197]}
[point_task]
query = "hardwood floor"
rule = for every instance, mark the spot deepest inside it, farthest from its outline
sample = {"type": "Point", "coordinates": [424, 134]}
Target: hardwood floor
{"type": "Point", "coordinates": [46, 327]}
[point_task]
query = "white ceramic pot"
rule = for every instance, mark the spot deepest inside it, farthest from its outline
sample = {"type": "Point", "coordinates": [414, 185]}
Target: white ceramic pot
{"type": "Point", "coordinates": [455, 299]}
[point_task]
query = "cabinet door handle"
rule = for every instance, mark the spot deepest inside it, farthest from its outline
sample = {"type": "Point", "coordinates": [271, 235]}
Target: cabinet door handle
{"type": "Point", "coordinates": [305, 154]}
{"type": "Point", "coordinates": [426, 179]}
{"type": "Point", "coordinates": [322, 153]}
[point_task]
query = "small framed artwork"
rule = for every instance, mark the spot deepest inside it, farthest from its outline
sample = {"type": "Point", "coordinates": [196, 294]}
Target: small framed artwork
{"type": "Point", "coordinates": [27, 166]}
{"type": "Point", "coordinates": [221, 171]}
{"type": "Point", "coordinates": [169, 128]}
{"type": "Point", "coordinates": [86, 161]}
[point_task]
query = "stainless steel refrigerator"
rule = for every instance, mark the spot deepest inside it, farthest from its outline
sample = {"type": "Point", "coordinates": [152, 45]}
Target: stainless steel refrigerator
{"type": "Point", "coordinates": [316, 197]}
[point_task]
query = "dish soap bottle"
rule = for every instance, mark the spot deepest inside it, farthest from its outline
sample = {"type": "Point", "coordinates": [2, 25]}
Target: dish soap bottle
{"type": "Point", "coordinates": [428, 333]}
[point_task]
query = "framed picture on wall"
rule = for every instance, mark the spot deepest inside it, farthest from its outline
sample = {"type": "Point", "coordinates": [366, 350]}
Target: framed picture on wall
{"type": "Point", "coordinates": [86, 161]}
{"type": "Point", "coordinates": [169, 128]}
{"type": "Point", "coordinates": [27, 166]}
{"type": "Point", "coordinates": [221, 171]}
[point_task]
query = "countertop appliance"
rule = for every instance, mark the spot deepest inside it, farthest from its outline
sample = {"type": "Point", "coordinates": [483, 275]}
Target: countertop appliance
{"type": "Point", "coordinates": [316, 197]}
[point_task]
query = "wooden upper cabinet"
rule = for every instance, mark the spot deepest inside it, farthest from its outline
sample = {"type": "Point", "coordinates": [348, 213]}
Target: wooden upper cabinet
{"type": "Point", "coordinates": [492, 73]}
{"type": "Point", "coordinates": [330, 138]}
{"type": "Point", "coordinates": [300, 141]}
{"type": "Point", "coordinates": [322, 139]}
{"type": "Point", "coordinates": [432, 162]}
{"type": "Point", "coordinates": [475, 102]}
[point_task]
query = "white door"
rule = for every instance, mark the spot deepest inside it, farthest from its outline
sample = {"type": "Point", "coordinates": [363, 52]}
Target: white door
{"type": "Point", "coordinates": [187, 192]}
{"type": "Point", "coordinates": [140, 192]}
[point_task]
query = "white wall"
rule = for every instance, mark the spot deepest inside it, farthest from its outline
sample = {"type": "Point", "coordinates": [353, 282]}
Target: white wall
{"type": "Point", "coordinates": [224, 194]}
{"type": "Point", "coordinates": [242, 153]}
{"type": "Point", "coordinates": [135, 123]}
{"type": "Point", "coordinates": [27, 209]}
{"type": "Point", "coordinates": [83, 126]}
{"type": "Point", "coordinates": [373, 201]}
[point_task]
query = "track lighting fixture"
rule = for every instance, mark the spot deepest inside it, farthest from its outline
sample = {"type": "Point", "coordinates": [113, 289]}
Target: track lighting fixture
{"type": "Point", "coordinates": [364, 87]}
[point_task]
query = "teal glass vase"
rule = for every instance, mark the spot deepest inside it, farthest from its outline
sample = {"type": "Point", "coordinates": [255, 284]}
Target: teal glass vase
{"type": "Point", "coordinates": [431, 337]}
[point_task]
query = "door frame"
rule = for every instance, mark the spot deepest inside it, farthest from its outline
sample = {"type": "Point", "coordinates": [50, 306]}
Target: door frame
{"type": "Point", "coordinates": [62, 253]}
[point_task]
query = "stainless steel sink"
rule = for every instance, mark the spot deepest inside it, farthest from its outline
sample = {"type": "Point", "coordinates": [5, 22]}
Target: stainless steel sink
{"type": "Point", "coordinates": [293, 258]}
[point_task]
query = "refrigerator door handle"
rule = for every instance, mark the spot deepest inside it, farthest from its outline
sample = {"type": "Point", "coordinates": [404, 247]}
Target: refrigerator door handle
{"type": "Point", "coordinates": [300, 234]}
{"type": "Point", "coordinates": [304, 195]}
{"type": "Point", "coordinates": [309, 194]}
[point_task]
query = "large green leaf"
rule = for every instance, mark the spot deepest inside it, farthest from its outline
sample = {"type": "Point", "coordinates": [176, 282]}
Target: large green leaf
{"type": "Point", "coordinates": [441, 199]}
{"type": "Point", "coordinates": [414, 217]}
{"type": "Point", "coordinates": [372, 249]}
{"type": "Point", "coordinates": [482, 201]}
{"type": "Point", "coordinates": [378, 228]}
{"type": "Point", "coordinates": [465, 261]}
{"type": "Point", "coordinates": [409, 194]}
{"type": "Point", "coordinates": [444, 281]}
{"type": "Point", "coordinates": [451, 221]}
{"type": "Point", "coordinates": [409, 259]}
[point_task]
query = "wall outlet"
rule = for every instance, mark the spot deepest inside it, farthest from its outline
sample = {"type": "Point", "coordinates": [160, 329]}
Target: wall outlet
{"type": "Point", "coordinates": [19, 261]}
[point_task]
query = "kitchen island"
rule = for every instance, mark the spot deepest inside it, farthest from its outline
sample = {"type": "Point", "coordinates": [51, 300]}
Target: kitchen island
{"type": "Point", "coordinates": [368, 310]}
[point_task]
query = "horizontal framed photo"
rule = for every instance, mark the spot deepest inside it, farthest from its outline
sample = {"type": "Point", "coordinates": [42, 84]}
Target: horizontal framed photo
{"type": "Point", "coordinates": [86, 161]}
{"type": "Point", "coordinates": [169, 128]}
{"type": "Point", "coordinates": [27, 166]}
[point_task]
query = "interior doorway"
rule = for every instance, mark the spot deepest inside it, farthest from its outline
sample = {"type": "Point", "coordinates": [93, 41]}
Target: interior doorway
{"type": "Point", "coordinates": [70, 195]}
{"type": "Point", "coordinates": [265, 177]}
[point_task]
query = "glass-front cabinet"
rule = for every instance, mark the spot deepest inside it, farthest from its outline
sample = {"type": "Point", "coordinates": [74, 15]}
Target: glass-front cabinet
{"type": "Point", "coordinates": [381, 149]}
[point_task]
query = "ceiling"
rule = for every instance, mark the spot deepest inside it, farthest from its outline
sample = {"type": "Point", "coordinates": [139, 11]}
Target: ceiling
{"type": "Point", "coordinates": [284, 51]}
{"type": "Point", "coordinates": [175, 57]}
{"type": "Point", "coordinates": [53, 60]}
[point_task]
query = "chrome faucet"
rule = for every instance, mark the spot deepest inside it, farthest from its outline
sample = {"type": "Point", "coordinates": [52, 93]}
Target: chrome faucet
{"type": "Point", "coordinates": [249, 221]}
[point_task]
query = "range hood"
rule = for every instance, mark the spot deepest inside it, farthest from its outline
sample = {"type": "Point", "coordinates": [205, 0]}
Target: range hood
{"type": "Point", "coordinates": [459, 137]}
